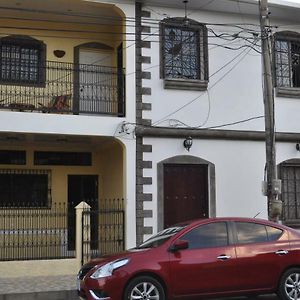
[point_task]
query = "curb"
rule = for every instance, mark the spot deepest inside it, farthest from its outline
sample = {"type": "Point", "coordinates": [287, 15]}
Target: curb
{"type": "Point", "coordinates": [51, 295]}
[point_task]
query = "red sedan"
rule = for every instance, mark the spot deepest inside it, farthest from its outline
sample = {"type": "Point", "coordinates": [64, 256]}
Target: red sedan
{"type": "Point", "coordinates": [200, 259]}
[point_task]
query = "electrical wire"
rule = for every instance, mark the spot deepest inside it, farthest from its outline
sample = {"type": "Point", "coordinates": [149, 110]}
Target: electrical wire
{"type": "Point", "coordinates": [236, 122]}
{"type": "Point", "coordinates": [103, 17]}
{"type": "Point", "coordinates": [196, 98]}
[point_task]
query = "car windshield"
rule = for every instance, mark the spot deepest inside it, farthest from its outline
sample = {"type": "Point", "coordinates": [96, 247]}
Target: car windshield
{"type": "Point", "coordinates": [162, 236]}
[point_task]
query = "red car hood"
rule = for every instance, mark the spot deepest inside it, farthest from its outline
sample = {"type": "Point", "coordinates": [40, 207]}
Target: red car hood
{"type": "Point", "coordinates": [108, 258]}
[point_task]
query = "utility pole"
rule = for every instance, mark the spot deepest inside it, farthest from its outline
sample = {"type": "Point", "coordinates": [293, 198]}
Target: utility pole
{"type": "Point", "coordinates": [273, 185]}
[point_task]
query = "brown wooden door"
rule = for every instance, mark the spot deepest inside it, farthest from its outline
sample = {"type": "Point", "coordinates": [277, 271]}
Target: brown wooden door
{"type": "Point", "coordinates": [185, 192]}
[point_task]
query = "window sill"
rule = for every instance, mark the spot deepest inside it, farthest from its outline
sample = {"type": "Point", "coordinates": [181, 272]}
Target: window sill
{"type": "Point", "coordinates": [185, 84]}
{"type": "Point", "coordinates": [287, 92]}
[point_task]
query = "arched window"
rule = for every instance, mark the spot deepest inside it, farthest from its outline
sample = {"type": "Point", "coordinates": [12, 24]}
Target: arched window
{"type": "Point", "coordinates": [184, 58]}
{"type": "Point", "coordinates": [22, 60]}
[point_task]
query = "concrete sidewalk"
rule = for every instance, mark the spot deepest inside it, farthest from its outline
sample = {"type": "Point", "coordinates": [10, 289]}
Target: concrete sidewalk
{"type": "Point", "coordinates": [39, 288]}
{"type": "Point", "coordinates": [61, 287]}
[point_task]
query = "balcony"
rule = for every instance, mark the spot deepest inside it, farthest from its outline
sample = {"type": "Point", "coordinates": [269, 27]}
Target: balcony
{"type": "Point", "coordinates": [59, 87]}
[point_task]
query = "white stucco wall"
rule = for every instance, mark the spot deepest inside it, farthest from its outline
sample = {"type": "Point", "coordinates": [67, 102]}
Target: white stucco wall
{"type": "Point", "coordinates": [239, 167]}
{"type": "Point", "coordinates": [234, 94]}
{"type": "Point", "coordinates": [234, 91]}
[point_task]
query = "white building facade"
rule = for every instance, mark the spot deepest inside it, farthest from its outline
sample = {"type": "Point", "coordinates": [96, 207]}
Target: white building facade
{"type": "Point", "coordinates": [201, 72]}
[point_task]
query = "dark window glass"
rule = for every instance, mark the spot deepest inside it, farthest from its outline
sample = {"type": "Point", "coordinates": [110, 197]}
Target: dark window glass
{"type": "Point", "coordinates": [184, 50]}
{"type": "Point", "coordinates": [251, 233]}
{"type": "Point", "coordinates": [273, 233]}
{"type": "Point", "coordinates": [11, 157]}
{"type": "Point", "coordinates": [181, 53]}
{"type": "Point", "coordinates": [22, 60]}
{"type": "Point", "coordinates": [23, 189]}
{"type": "Point", "coordinates": [287, 58]}
{"type": "Point", "coordinates": [162, 236]}
{"type": "Point", "coordinates": [207, 236]}
{"type": "Point", "coordinates": [63, 158]}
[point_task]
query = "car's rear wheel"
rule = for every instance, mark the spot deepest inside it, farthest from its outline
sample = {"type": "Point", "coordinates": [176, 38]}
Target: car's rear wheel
{"type": "Point", "coordinates": [289, 286]}
{"type": "Point", "coordinates": [144, 288]}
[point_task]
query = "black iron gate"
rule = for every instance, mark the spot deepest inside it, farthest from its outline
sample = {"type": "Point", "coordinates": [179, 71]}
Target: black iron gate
{"type": "Point", "coordinates": [110, 230]}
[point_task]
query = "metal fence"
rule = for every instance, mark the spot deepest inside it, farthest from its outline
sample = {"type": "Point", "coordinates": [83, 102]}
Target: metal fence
{"type": "Point", "coordinates": [66, 88]}
{"type": "Point", "coordinates": [103, 229]}
{"type": "Point", "coordinates": [34, 233]}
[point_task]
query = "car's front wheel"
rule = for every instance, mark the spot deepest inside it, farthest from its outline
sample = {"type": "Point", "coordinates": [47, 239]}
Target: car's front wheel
{"type": "Point", "coordinates": [144, 288]}
{"type": "Point", "coordinates": [289, 286]}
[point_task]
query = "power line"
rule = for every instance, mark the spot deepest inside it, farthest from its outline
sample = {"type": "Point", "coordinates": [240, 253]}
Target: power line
{"type": "Point", "coordinates": [193, 100]}
{"type": "Point", "coordinates": [103, 17]}
{"type": "Point", "coordinates": [221, 125]}
{"type": "Point", "coordinates": [223, 35]}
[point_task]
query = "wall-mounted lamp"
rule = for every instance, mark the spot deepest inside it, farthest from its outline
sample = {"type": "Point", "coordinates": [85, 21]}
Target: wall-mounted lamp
{"type": "Point", "coordinates": [186, 20]}
{"type": "Point", "coordinates": [187, 143]}
{"type": "Point", "coordinates": [59, 53]}
{"type": "Point", "coordinates": [298, 147]}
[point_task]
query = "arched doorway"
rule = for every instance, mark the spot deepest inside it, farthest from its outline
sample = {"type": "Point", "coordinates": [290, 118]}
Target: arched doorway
{"type": "Point", "coordinates": [186, 190]}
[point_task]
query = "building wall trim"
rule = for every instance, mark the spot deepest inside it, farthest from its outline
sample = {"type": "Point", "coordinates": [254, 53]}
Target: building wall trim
{"type": "Point", "coordinates": [213, 134]}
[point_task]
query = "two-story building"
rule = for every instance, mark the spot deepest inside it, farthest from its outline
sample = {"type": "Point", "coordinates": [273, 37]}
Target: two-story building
{"type": "Point", "coordinates": [202, 83]}
{"type": "Point", "coordinates": [156, 103]}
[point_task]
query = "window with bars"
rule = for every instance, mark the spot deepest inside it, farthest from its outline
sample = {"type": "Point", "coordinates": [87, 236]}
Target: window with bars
{"type": "Point", "coordinates": [22, 60]}
{"type": "Point", "coordinates": [287, 63]}
{"type": "Point", "coordinates": [290, 176]}
{"type": "Point", "coordinates": [25, 188]}
{"type": "Point", "coordinates": [184, 52]}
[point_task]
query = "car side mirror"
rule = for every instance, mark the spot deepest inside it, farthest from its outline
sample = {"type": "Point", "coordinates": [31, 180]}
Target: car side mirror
{"type": "Point", "coordinates": [179, 245]}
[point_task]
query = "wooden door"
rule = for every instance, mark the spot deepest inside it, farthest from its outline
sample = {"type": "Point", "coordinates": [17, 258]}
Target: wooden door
{"type": "Point", "coordinates": [185, 192]}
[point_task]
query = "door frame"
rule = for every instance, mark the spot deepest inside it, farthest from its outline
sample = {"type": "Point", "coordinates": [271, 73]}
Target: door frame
{"type": "Point", "coordinates": [185, 159]}
{"type": "Point", "coordinates": [91, 46]}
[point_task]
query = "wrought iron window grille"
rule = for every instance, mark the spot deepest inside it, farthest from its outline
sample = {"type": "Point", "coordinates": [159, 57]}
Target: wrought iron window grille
{"type": "Point", "coordinates": [184, 50]}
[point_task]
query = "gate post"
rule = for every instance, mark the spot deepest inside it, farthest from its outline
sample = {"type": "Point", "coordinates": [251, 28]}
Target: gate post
{"type": "Point", "coordinates": [82, 231]}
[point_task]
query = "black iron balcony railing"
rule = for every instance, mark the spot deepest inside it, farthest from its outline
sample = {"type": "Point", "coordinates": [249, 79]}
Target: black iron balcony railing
{"type": "Point", "coordinates": [63, 88]}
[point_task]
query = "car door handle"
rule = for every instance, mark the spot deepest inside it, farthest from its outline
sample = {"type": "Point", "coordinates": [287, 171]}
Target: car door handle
{"type": "Point", "coordinates": [224, 257]}
{"type": "Point", "coordinates": [282, 252]}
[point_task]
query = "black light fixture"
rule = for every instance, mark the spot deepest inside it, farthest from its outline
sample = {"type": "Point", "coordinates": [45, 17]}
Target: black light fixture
{"type": "Point", "coordinates": [186, 21]}
{"type": "Point", "coordinates": [59, 53]}
{"type": "Point", "coordinates": [187, 143]}
{"type": "Point", "coordinates": [298, 147]}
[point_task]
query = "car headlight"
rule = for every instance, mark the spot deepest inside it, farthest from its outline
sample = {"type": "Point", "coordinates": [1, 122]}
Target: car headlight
{"type": "Point", "coordinates": [107, 269]}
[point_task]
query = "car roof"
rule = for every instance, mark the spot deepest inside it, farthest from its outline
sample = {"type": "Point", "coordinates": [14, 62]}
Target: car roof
{"type": "Point", "coordinates": [233, 219]}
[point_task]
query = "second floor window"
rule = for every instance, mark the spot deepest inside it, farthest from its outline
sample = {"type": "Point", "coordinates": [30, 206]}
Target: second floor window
{"type": "Point", "coordinates": [22, 61]}
{"type": "Point", "coordinates": [183, 50]}
{"type": "Point", "coordinates": [287, 60]}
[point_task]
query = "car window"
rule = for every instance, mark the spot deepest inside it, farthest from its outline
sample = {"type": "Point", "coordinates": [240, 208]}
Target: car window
{"type": "Point", "coordinates": [162, 236]}
{"type": "Point", "coordinates": [207, 236]}
{"type": "Point", "coordinates": [251, 233]}
{"type": "Point", "coordinates": [273, 233]}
